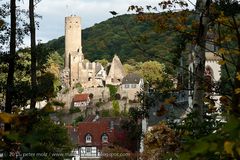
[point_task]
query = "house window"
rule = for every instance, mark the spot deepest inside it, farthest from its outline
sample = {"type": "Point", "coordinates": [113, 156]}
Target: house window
{"type": "Point", "coordinates": [104, 138]}
{"type": "Point", "coordinates": [126, 85]}
{"type": "Point", "coordinates": [134, 85]}
{"type": "Point", "coordinates": [88, 151]}
{"type": "Point", "coordinates": [88, 138]}
{"type": "Point", "coordinates": [94, 150]}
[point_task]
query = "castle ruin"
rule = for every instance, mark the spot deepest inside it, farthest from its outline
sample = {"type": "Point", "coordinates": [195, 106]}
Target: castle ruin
{"type": "Point", "coordinates": [80, 70]}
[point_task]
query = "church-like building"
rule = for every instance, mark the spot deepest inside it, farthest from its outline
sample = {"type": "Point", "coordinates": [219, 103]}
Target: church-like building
{"type": "Point", "coordinates": [80, 70]}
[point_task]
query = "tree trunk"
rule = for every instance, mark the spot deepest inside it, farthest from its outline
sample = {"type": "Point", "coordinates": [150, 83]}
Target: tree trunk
{"type": "Point", "coordinates": [10, 78]}
{"type": "Point", "coordinates": [236, 97]}
{"type": "Point", "coordinates": [33, 54]}
{"type": "Point", "coordinates": [199, 58]}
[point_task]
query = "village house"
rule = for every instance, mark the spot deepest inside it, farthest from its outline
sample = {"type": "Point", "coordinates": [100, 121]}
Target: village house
{"type": "Point", "coordinates": [81, 100]}
{"type": "Point", "coordinates": [132, 85]}
{"type": "Point", "coordinates": [93, 134]}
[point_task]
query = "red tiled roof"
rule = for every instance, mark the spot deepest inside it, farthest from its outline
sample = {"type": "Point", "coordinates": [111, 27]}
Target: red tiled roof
{"type": "Point", "coordinates": [80, 97]}
{"type": "Point", "coordinates": [96, 130]}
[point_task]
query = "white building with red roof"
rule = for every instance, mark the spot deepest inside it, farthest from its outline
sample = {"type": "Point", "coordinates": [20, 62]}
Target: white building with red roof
{"type": "Point", "coordinates": [81, 100]}
{"type": "Point", "coordinates": [93, 134]}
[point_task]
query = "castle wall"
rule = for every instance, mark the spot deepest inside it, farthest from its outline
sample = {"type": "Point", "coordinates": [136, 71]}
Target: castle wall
{"type": "Point", "coordinates": [98, 93]}
{"type": "Point", "coordinates": [83, 75]}
{"type": "Point", "coordinates": [74, 69]}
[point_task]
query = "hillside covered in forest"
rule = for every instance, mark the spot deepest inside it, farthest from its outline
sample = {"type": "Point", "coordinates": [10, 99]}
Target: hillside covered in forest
{"type": "Point", "coordinates": [125, 36]}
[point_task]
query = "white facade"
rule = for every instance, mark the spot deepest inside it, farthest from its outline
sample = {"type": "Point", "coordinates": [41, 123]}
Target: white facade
{"type": "Point", "coordinates": [89, 152]}
{"type": "Point", "coordinates": [81, 104]}
{"type": "Point", "coordinates": [85, 153]}
{"type": "Point", "coordinates": [131, 90]}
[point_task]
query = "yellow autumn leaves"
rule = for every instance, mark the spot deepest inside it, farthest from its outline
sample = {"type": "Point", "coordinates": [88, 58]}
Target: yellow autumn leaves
{"type": "Point", "coordinates": [224, 51]}
{"type": "Point", "coordinates": [231, 147]}
{"type": "Point", "coordinates": [237, 90]}
{"type": "Point", "coordinates": [6, 117]}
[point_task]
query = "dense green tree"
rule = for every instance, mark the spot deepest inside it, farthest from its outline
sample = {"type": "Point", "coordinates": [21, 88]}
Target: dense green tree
{"type": "Point", "coordinates": [152, 71]}
{"type": "Point", "coordinates": [116, 108]}
{"type": "Point", "coordinates": [113, 90]}
{"type": "Point", "coordinates": [47, 137]}
{"type": "Point", "coordinates": [48, 75]}
{"type": "Point", "coordinates": [34, 132]}
{"type": "Point", "coordinates": [129, 68]}
{"type": "Point", "coordinates": [48, 86]}
{"type": "Point", "coordinates": [53, 64]}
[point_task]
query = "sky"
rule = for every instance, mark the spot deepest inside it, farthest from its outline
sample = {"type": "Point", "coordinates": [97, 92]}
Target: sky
{"type": "Point", "coordinates": [91, 12]}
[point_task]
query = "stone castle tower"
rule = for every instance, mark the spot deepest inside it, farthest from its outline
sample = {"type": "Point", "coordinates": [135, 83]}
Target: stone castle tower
{"type": "Point", "coordinates": [73, 38]}
{"type": "Point", "coordinates": [73, 49]}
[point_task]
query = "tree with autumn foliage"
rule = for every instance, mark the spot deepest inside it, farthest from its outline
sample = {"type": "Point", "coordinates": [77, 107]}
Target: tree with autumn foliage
{"type": "Point", "coordinates": [224, 142]}
{"type": "Point", "coordinates": [222, 18]}
{"type": "Point", "coordinates": [159, 142]}
{"type": "Point", "coordinates": [34, 132]}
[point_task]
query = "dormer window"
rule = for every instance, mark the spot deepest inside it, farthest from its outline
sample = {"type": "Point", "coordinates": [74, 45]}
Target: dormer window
{"type": "Point", "coordinates": [104, 138]}
{"type": "Point", "coordinates": [88, 138]}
